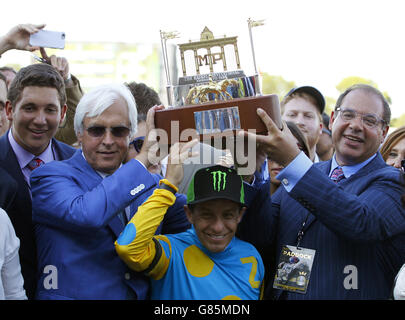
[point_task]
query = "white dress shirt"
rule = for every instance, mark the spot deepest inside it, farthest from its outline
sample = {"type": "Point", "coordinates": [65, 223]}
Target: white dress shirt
{"type": "Point", "coordinates": [11, 280]}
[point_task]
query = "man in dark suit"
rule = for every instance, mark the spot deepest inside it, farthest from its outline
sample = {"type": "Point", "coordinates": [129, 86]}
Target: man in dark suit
{"type": "Point", "coordinates": [35, 107]}
{"type": "Point", "coordinates": [348, 209]}
{"type": "Point", "coordinates": [8, 189]}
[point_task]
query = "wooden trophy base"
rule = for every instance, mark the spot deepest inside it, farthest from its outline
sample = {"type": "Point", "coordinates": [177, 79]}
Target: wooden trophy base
{"type": "Point", "coordinates": [216, 119]}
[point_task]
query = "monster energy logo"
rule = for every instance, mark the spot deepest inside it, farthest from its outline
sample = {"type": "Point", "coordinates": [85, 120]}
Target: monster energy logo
{"type": "Point", "coordinates": [219, 180]}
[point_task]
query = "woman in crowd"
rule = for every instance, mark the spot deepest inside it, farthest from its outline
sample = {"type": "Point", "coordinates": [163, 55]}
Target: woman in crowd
{"type": "Point", "coordinates": [393, 152]}
{"type": "Point", "coordinates": [393, 148]}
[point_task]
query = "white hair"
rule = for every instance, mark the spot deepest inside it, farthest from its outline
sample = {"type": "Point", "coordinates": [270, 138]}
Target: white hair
{"type": "Point", "coordinates": [95, 102]}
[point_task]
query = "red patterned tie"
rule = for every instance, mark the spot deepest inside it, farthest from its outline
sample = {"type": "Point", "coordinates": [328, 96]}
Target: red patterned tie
{"type": "Point", "coordinates": [35, 163]}
{"type": "Point", "coordinates": [337, 174]}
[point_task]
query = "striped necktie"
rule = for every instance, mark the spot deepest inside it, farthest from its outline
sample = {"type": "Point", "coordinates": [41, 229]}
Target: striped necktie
{"type": "Point", "coordinates": [337, 174]}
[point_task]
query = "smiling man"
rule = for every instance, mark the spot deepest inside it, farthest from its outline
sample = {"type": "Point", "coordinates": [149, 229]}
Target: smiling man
{"type": "Point", "coordinates": [304, 107]}
{"type": "Point", "coordinates": [35, 107]}
{"type": "Point", "coordinates": [81, 205]}
{"type": "Point", "coordinates": [347, 210]}
{"type": "Point", "coordinates": [207, 262]}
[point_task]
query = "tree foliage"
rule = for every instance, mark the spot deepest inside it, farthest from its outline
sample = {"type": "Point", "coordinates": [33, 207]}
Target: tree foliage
{"type": "Point", "coordinates": [352, 80]}
{"type": "Point", "coordinates": [330, 105]}
{"type": "Point", "coordinates": [276, 85]}
{"type": "Point", "coordinates": [349, 81]}
{"type": "Point", "coordinates": [398, 122]}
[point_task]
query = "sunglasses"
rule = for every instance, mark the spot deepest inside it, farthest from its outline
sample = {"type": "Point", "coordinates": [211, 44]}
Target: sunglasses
{"type": "Point", "coordinates": [99, 131]}
{"type": "Point", "coordinates": [403, 165]}
{"type": "Point", "coordinates": [138, 143]}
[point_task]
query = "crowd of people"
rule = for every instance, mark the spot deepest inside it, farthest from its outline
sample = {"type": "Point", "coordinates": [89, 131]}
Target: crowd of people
{"type": "Point", "coordinates": [87, 213]}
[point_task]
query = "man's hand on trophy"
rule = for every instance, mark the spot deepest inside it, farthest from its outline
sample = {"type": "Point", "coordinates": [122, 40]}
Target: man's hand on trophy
{"type": "Point", "coordinates": [179, 152]}
{"type": "Point", "coordinates": [226, 160]}
{"type": "Point", "coordinates": [278, 145]}
{"type": "Point", "coordinates": [153, 149]}
{"type": "Point", "coordinates": [248, 156]}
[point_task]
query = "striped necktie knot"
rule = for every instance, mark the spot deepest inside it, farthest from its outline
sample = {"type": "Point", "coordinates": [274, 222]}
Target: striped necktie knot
{"type": "Point", "coordinates": [35, 163]}
{"type": "Point", "coordinates": [337, 174]}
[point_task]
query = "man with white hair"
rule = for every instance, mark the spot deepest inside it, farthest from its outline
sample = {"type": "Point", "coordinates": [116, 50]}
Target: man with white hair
{"type": "Point", "coordinates": [81, 205]}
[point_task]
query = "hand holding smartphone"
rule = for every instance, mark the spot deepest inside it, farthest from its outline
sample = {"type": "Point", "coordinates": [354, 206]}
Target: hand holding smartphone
{"type": "Point", "coordinates": [48, 39]}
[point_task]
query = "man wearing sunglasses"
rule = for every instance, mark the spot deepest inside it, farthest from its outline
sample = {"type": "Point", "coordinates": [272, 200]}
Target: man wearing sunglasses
{"type": "Point", "coordinates": [347, 210]}
{"type": "Point", "coordinates": [81, 205]}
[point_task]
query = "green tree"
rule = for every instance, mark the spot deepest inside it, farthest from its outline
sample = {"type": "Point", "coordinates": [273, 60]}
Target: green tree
{"type": "Point", "coordinates": [276, 85]}
{"type": "Point", "coordinates": [398, 122]}
{"type": "Point", "coordinates": [349, 81]}
{"type": "Point", "coordinates": [329, 105]}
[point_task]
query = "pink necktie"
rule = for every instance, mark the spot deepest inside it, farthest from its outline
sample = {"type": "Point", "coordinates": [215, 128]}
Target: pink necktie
{"type": "Point", "coordinates": [35, 163]}
{"type": "Point", "coordinates": [337, 174]}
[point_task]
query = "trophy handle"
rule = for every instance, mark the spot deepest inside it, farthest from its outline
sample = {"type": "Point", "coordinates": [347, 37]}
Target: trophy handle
{"type": "Point", "coordinates": [169, 87]}
{"type": "Point", "coordinates": [251, 24]}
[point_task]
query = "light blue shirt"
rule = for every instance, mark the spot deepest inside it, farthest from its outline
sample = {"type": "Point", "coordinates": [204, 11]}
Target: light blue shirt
{"type": "Point", "coordinates": [292, 173]}
{"type": "Point", "coordinates": [349, 170]}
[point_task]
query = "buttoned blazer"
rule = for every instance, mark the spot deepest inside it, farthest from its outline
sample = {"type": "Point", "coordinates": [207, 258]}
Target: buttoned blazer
{"type": "Point", "coordinates": [357, 228]}
{"type": "Point", "coordinates": [19, 208]}
{"type": "Point", "coordinates": [75, 212]}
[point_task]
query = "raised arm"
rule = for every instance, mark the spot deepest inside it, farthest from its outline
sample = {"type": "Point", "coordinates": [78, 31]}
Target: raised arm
{"type": "Point", "coordinates": [137, 245]}
{"type": "Point", "coordinates": [19, 37]}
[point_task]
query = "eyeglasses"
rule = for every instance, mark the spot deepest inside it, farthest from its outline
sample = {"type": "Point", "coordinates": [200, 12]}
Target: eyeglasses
{"type": "Point", "coordinates": [369, 120]}
{"type": "Point", "coordinates": [99, 131]}
{"type": "Point", "coordinates": [138, 143]}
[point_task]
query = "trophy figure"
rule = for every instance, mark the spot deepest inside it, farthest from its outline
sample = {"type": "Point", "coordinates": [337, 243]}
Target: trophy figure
{"type": "Point", "coordinates": [218, 103]}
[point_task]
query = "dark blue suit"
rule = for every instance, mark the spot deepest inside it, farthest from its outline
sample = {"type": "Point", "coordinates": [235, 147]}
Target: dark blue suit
{"type": "Point", "coordinates": [19, 208]}
{"type": "Point", "coordinates": [75, 211]}
{"type": "Point", "coordinates": [359, 222]}
{"type": "Point", "coordinates": [8, 189]}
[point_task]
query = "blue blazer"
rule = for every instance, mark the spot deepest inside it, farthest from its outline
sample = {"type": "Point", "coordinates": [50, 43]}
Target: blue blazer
{"type": "Point", "coordinates": [19, 208]}
{"type": "Point", "coordinates": [360, 222]}
{"type": "Point", "coordinates": [75, 212]}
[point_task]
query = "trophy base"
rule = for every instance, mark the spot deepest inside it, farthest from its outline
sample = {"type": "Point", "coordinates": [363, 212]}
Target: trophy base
{"type": "Point", "coordinates": [215, 120]}
{"type": "Point", "coordinates": [215, 76]}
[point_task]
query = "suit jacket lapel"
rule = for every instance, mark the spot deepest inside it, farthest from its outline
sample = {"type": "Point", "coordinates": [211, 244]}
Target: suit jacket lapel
{"type": "Point", "coordinates": [63, 151]}
{"type": "Point", "coordinates": [10, 163]}
{"type": "Point", "coordinates": [375, 164]}
{"type": "Point", "coordinates": [80, 163]}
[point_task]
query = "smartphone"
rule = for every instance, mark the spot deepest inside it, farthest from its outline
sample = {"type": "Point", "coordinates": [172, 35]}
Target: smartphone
{"type": "Point", "coordinates": [48, 39]}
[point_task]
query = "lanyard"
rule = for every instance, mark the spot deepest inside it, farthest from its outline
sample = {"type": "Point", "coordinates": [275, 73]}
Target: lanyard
{"type": "Point", "coordinates": [301, 232]}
